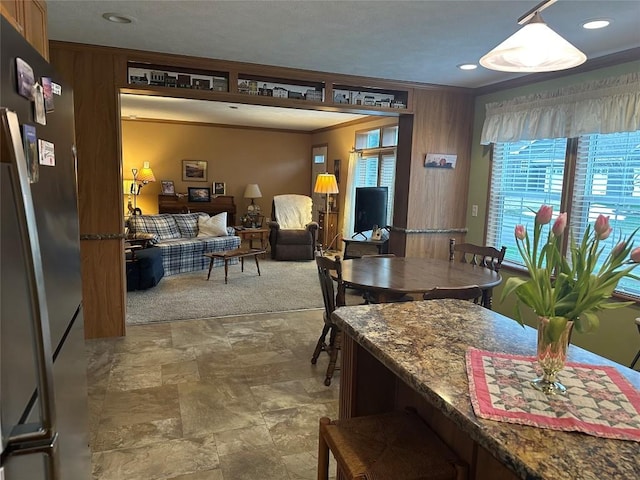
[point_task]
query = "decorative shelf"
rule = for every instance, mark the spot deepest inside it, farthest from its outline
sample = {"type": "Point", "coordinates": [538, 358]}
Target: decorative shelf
{"type": "Point", "coordinates": [369, 97]}
{"type": "Point", "coordinates": [142, 74]}
{"type": "Point", "coordinates": [280, 88]}
{"type": "Point", "coordinates": [242, 83]}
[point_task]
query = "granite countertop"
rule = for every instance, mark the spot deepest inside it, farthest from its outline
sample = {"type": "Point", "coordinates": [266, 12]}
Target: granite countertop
{"type": "Point", "coordinates": [424, 344]}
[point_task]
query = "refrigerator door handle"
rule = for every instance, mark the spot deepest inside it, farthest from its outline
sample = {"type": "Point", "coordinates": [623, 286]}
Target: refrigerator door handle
{"type": "Point", "coordinates": [26, 439]}
{"type": "Point", "coordinates": [48, 447]}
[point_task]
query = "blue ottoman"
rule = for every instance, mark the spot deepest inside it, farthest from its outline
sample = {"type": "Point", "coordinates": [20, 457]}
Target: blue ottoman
{"type": "Point", "coordinates": [144, 269]}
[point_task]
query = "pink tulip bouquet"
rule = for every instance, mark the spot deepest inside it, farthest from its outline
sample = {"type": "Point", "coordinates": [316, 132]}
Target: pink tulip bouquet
{"type": "Point", "coordinates": [565, 290]}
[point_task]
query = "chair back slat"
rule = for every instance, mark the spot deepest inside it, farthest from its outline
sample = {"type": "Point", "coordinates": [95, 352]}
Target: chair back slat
{"type": "Point", "coordinates": [333, 297]}
{"type": "Point", "coordinates": [482, 256]}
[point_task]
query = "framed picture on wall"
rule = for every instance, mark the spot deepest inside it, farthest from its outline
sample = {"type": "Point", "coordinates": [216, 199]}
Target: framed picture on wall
{"type": "Point", "coordinates": [199, 194]}
{"type": "Point", "coordinates": [168, 188]}
{"type": "Point", "coordinates": [219, 188]}
{"type": "Point", "coordinates": [440, 160]}
{"type": "Point", "coordinates": [194, 170]}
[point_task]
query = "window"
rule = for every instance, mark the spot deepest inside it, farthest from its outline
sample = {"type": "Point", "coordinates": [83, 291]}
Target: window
{"type": "Point", "coordinates": [607, 181]}
{"type": "Point", "coordinates": [527, 174]}
{"type": "Point", "coordinates": [377, 165]}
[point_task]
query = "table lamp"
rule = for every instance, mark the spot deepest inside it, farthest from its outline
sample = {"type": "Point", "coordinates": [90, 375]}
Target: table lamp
{"type": "Point", "coordinates": [252, 191]}
{"type": "Point", "coordinates": [326, 183]}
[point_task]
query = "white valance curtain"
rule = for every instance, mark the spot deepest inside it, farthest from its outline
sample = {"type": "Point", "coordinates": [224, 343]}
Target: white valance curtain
{"type": "Point", "coordinates": [603, 106]}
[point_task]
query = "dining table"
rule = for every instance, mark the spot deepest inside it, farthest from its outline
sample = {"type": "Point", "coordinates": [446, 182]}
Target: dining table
{"type": "Point", "coordinates": [389, 278]}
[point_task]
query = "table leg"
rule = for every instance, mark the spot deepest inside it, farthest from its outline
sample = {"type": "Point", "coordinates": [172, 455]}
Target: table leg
{"type": "Point", "coordinates": [226, 269]}
{"type": "Point", "coordinates": [257, 265]}
{"type": "Point", "coordinates": [486, 298]}
{"type": "Point", "coordinates": [210, 266]}
{"type": "Point", "coordinates": [242, 264]}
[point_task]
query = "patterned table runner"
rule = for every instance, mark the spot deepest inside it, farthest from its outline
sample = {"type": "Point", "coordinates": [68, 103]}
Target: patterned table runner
{"type": "Point", "coordinates": [599, 400]}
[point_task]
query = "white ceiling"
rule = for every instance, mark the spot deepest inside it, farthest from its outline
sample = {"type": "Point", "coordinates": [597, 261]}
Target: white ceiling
{"type": "Point", "coordinates": [418, 41]}
{"type": "Point", "coordinates": [164, 108]}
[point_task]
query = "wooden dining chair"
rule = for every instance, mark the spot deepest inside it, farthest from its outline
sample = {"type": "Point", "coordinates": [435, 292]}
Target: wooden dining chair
{"type": "Point", "coordinates": [637, 357]}
{"type": "Point", "coordinates": [462, 293]}
{"type": "Point", "coordinates": [396, 445]}
{"type": "Point", "coordinates": [333, 297]}
{"type": "Point", "coordinates": [483, 256]}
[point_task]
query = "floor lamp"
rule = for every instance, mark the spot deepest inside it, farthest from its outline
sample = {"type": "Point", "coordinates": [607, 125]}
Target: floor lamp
{"type": "Point", "coordinates": [326, 183]}
{"type": "Point", "coordinates": [140, 178]}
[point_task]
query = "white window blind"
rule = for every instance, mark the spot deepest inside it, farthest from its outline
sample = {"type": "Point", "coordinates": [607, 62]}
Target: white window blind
{"type": "Point", "coordinates": [367, 171]}
{"type": "Point", "coordinates": [524, 175]}
{"type": "Point", "coordinates": [607, 181]}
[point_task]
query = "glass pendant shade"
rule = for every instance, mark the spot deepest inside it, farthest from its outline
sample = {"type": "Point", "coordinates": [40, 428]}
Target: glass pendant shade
{"type": "Point", "coordinates": [533, 48]}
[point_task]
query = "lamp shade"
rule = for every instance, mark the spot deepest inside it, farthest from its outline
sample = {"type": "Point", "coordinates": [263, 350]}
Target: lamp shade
{"type": "Point", "coordinates": [533, 48]}
{"type": "Point", "coordinates": [326, 183]}
{"type": "Point", "coordinates": [145, 175]}
{"type": "Point", "coordinates": [252, 191]}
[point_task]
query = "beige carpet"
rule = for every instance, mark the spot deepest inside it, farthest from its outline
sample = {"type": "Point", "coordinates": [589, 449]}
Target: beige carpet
{"type": "Point", "coordinates": [283, 286]}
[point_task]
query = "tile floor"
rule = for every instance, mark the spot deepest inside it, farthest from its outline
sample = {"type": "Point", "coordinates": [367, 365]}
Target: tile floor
{"type": "Point", "coordinates": [219, 399]}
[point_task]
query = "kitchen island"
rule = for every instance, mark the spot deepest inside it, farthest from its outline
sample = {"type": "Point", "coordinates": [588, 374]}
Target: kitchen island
{"type": "Point", "coordinates": [413, 354]}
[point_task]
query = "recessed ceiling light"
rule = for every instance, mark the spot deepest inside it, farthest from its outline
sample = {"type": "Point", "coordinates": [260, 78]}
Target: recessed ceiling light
{"type": "Point", "coordinates": [118, 18]}
{"type": "Point", "coordinates": [595, 24]}
{"type": "Point", "coordinates": [468, 66]}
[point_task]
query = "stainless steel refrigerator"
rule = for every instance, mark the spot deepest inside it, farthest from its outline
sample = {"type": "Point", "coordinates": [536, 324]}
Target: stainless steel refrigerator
{"type": "Point", "coordinates": [43, 390]}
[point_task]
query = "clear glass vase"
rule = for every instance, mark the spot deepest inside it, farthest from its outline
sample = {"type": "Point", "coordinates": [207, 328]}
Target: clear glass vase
{"type": "Point", "coordinates": [553, 340]}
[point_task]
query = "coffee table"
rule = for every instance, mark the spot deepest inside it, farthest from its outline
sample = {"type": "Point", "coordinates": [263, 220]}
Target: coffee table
{"type": "Point", "coordinates": [240, 253]}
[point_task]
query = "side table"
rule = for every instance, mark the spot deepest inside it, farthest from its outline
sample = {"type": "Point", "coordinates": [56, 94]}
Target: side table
{"type": "Point", "coordinates": [354, 248]}
{"type": "Point", "coordinates": [252, 234]}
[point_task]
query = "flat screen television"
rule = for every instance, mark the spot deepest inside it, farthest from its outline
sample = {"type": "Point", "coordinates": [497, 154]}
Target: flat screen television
{"type": "Point", "coordinates": [371, 208]}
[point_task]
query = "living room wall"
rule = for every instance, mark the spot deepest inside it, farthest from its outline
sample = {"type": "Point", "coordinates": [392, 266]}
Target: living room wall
{"type": "Point", "coordinates": [339, 143]}
{"type": "Point", "coordinates": [278, 161]}
{"type": "Point", "coordinates": [617, 337]}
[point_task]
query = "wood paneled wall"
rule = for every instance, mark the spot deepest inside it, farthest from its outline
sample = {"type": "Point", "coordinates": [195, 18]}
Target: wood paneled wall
{"type": "Point", "coordinates": [437, 198]}
{"type": "Point", "coordinates": [92, 73]}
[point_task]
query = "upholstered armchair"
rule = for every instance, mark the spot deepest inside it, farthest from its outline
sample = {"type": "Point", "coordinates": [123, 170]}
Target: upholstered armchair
{"type": "Point", "coordinates": [293, 235]}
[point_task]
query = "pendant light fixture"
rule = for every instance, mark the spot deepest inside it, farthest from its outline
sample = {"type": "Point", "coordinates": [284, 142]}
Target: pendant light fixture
{"type": "Point", "coordinates": [533, 48]}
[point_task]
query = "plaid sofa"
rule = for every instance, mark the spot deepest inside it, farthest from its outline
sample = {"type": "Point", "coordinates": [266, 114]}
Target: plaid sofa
{"type": "Point", "coordinates": [175, 234]}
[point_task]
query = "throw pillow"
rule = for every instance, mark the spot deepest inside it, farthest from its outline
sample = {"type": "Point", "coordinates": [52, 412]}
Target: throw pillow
{"type": "Point", "coordinates": [188, 223]}
{"type": "Point", "coordinates": [163, 225]}
{"type": "Point", "coordinates": [215, 226]}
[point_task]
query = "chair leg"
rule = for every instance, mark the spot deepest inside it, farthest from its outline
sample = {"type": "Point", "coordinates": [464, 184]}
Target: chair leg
{"type": "Point", "coordinates": [321, 345]}
{"type": "Point", "coordinates": [323, 452]}
{"type": "Point", "coordinates": [335, 347]}
{"type": "Point", "coordinates": [635, 360]}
